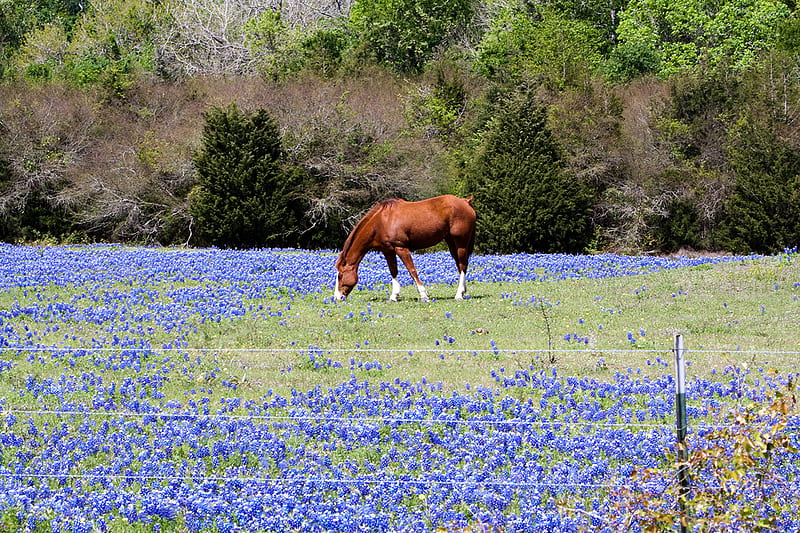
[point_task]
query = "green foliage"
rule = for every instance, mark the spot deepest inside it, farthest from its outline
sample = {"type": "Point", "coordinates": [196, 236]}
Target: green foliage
{"type": "Point", "coordinates": [404, 34]}
{"type": "Point", "coordinates": [439, 110]}
{"type": "Point", "coordinates": [679, 227]}
{"type": "Point", "coordinates": [688, 33]}
{"type": "Point", "coordinates": [549, 47]}
{"type": "Point", "coordinates": [631, 60]}
{"type": "Point", "coordinates": [276, 44]}
{"type": "Point", "coordinates": [728, 125]}
{"type": "Point", "coordinates": [325, 48]}
{"type": "Point", "coordinates": [19, 17]}
{"type": "Point", "coordinates": [36, 221]}
{"type": "Point", "coordinates": [245, 193]}
{"type": "Point", "coordinates": [600, 14]}
{"type": "Point", "coordinates": [763, 212]}
{"type": "Point", "coordinates": [721, 65]}
{"type": "Point", "coordinates": [525, 200]}
{"type": "Point", "coordinates": [104, 45]}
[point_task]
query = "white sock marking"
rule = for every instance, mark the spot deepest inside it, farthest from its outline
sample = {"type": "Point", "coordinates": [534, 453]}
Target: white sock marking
{"type": "Point", "coordinates": [462, 286]}
{"type": "Point", "coordinates": [395, 290]}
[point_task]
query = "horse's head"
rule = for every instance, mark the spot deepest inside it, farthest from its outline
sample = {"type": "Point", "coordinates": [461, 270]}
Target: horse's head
{"type": "Point", "coordinates": [346, 279]}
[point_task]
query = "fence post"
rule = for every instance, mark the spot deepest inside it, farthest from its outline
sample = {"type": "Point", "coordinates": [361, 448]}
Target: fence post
{"type": "Point", "coordinates": [680, 422]}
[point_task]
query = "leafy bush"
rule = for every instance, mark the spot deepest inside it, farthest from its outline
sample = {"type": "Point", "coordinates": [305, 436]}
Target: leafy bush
{"type": "Point", "coordinates": [245, 194]}
{"type": "Point", "coordinates": [684, 35]}
{"type": "Point", "coordinates": [631, 60]}
{"type": "Point", "coordinates": [324, 49]}
{"type": "Point", "coordinates": [405, 33]}
{"type": "Point", "coordinates": [546, 46]}
{"type": "Point", "coordinates": [439, 109]}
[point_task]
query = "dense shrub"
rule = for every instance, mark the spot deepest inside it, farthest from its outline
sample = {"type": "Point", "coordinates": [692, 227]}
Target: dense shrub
{"type": "Point", "coordinates": [524, 198]}
{"type": "Point", "coordinates": [405, 33]}
{"type": "Point", "coordinates": [245, 196]}
{"type": "Point", "coordinates": [763, 212]}
{"type": "Point", "coordinates": [366, 109]}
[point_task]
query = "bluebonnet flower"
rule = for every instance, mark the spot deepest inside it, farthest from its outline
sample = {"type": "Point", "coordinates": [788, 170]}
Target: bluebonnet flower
{"type": "Point", "coordinates": [344, 459]}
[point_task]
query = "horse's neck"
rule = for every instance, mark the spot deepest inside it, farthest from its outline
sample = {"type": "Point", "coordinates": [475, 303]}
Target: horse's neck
{"type": "Point", "coordinates": [357, 246]}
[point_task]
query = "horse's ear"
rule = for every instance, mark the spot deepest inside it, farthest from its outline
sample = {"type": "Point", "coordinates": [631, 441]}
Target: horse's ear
{"type": "Point", "coordinates": [469, 200]}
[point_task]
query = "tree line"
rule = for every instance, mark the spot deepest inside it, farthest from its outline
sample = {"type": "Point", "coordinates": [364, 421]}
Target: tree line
{"type": "Point", "coordinates": [629, 125]}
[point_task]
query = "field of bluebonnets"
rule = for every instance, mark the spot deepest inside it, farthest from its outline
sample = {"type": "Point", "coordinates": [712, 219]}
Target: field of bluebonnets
{"type": "Point", "coordinates": [146, 389]}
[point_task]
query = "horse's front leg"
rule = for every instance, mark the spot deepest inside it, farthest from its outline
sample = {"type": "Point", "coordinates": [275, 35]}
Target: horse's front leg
{"type": "Point", "coordinates": [391, 260]}
{"type": "Point", "coordinates": [405, 256]}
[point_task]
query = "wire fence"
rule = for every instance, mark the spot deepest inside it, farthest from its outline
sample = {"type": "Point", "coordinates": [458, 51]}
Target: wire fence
{"type": "Point", "coordinates": [511, 424]}
{"type": "Point", "coordinates": [367, 349]}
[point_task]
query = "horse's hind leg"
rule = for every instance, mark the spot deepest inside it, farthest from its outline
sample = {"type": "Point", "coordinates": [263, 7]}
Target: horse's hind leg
{"type": "Point", "coordinates": [461, 256]}
{"type": "Point", "coordinates": [405, 256]}
{"type": "Point", "coordinates": [462, 285]}
{"type": "Point", "coordinates": [391, 260]}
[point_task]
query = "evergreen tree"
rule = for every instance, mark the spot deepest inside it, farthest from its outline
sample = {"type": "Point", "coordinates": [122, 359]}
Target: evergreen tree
{"type": "Point", "coordinates": [245, 195]}
{"type": "Point", "coordinates": [763, 212]}
{"type": "Point", "coordinates": [525, 200]}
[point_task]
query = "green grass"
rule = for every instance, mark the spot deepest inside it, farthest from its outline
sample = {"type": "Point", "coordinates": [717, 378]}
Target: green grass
{"type": "Point", "coordinates": [733, 314]}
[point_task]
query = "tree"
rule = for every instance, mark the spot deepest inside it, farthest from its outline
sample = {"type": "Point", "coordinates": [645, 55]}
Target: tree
{"type": "Point", "coordinates": [18, 17]}
{"type": "Point", "coordinates": [763, 212]}
{"type": "Point", "coordinates": [685, 34]}
{"type": "Point", "coordinates": [240, 37]}
{"type": "Point", "coordinates": [245, 195]}
{"type": "Point", "coordinates": [525, 200]}
{"type": "Point", "coordinates": [405, 33]}
{"type": "Point", "coordinates": [42, 141]}
{"type": "Point", "coordinates": [602, 15]}
{"type": "Point", "coordinates": [109, 42]}
{"type": "Point", "coordinates": [545, 46]}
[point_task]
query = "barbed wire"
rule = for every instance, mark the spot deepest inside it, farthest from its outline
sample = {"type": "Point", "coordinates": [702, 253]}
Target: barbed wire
{"type": "Point", "coordinates": [546, 424]}
{"type": "Point", "coordinates": [322, 418]}
{"type": "Point", "coordinates": [285, 480]}
{"type": "Point", "coordinates": [511, 423]}
{"type": "Point", "coordinates": [317, 349]}
{"type": "Point", "coordinates": [659, 486]}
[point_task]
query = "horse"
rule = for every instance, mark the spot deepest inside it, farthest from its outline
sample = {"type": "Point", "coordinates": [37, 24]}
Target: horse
{"type": "Point", "coordinates": [395, 227]}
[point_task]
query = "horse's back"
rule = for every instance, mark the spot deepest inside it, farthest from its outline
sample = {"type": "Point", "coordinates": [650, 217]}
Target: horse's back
{"type": "Point", "coordinates": [426, 222]}
{"type": "Point", "coordinates": [446, 207]}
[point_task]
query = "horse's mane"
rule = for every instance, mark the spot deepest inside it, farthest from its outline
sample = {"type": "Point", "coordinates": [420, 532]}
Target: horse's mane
{"type": "Point", "coordinates": [380, 206]}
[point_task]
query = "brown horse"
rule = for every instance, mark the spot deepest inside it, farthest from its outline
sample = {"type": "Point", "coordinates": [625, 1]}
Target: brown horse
{"type": "Point", "coordinates": [395, 227]}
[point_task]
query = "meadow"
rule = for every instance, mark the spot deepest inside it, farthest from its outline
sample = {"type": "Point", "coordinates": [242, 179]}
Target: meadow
{"type": "Point", "coordinates": [172, 389]}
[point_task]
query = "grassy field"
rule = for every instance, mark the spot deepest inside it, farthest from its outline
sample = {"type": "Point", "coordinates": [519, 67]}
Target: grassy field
{"type": "Point", "coordinates": [743, 313]}
{"type": "Point", "coordinates": [203, 390]}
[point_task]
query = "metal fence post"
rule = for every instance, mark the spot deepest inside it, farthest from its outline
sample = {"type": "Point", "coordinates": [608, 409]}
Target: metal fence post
{"type": "Point", "coordinates": [680, 422]}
